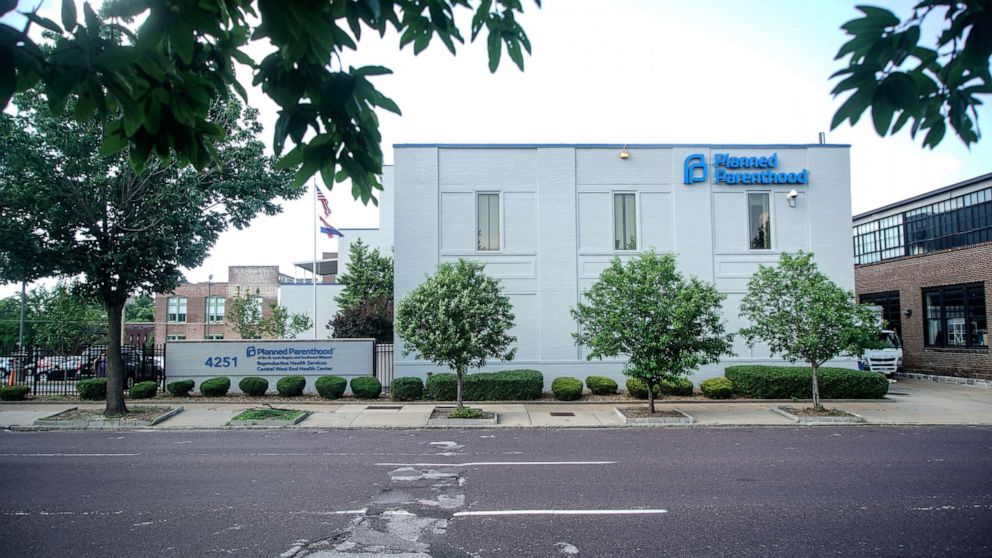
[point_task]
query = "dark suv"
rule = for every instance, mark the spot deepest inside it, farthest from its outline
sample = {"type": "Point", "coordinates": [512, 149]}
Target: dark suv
{"type": "Point", "coordinates": [136, 368]}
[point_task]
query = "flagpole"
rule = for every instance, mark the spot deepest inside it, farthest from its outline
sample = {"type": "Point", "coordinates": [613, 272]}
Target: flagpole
{"type": "Point", "coordinates": [314, 259]}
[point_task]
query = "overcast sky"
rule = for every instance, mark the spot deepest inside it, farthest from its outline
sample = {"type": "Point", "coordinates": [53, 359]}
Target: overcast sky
{"type": "Point", "coordinates": [624, 71]}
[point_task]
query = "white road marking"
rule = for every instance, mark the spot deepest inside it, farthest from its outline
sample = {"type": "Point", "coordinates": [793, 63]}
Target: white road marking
{"type": "Point", "coordinates": [559, 512]}
{"type": "Point", "coordinates": [68, 454]}
{"type": "Point", "coordinates": [496, 463]}
{"type": "Point", "coordinates": [338, 512]}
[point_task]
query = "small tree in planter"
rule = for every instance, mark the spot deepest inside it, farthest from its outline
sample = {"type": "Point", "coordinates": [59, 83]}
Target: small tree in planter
{"type": "Point", "coordinates": [458, 318]}
{"type": "Point", "coordinates": [802, 315]}
{"type": "Point", "coordinates": [667, 324]}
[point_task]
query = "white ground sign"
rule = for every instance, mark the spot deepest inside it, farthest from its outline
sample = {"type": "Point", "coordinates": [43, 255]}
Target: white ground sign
{"type": "Point", "coordinates": [268, 358]}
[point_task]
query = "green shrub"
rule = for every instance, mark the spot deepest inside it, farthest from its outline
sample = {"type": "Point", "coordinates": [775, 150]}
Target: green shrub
{"type": "Point", "coordinates": [601, 385]}
{"type": "Point", "coordinates": [215, 387]}
{"type": "Point", "coordinates": [566, 388]}
{"type": "Point", "coordinates": [717, 388]}
{"type": "Point", "coordinates": [406, 389]}
{"type": "Point", "coordinates": [253, 386]}
{"type": "Point", "coordinates": [638, 389]}
{"type": "Point", "coordinates": [291, 386]}
{"type": "Point", "coordinates": [366, 387]}
{"type": "Point", "coordinates": [681, 387]}
{"type": "Point", "coordinates": [509, 385]}
{"type": "Point", "coordinates": [331, 387]}
{"type": "Point", "coordinates": [795, 382]}
{"type": "Point", "coordinates": [144, 390]}
{"type": "Point", "coordinates": [94, 389]}
{"type": "Point", "coordinates": [180, 388]}
{"type": "Point", "coordinates": [14, 393]}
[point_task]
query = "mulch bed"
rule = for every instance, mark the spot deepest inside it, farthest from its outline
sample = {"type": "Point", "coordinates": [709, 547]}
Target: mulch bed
{"type": "Point", "coordinates": [811, 412]}
{"type": "Point", "coordinates": [642, 412]}
{"type": "Point", "coordinates": [443, 413]}
{"type": "Point", "coordinates": [134, 413]}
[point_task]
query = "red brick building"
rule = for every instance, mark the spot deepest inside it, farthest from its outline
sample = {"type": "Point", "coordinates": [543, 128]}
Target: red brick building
{"type": "Point", "coordinates": [927, 261]}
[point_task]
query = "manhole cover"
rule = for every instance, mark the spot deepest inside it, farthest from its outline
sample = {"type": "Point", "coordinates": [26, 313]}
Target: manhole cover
{"type": "Point", "coordinates": [563, 414]}
{"type": "Point", "coordinates": [383, 407]}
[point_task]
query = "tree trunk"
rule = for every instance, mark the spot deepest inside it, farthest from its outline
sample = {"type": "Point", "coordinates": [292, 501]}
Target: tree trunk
{"type": "Point", "coordinates": [458, 385]}
{"type": "Point", "coordinates": [115, 365]}
{"type": "Point", "coordinates": [816, 388]}
{"type": "Point", "coordinates": [651, 398]}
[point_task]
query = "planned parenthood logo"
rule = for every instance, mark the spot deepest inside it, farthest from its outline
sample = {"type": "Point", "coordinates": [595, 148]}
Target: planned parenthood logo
{"type": "Point", "coordinates": [694, 162]}
{"type": "Point", "coordinates": [250, 351]}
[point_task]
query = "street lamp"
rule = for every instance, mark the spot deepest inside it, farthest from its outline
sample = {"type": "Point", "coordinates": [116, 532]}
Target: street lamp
{"type": "Point", "coordinates": [206, 314]}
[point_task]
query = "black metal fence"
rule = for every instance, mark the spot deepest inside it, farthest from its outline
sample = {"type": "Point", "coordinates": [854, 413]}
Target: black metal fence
{"type": "Point", "coordinates": [382, 361]}
{"type": "Point", "coordinates": [51, 372]}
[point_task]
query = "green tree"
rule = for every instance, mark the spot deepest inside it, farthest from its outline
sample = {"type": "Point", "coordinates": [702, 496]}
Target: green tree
{"type": "Point", "coordinates": [666, 325]}
{"type": "Point", "coordinates": [901, 80]}
{"type": "Point", "coordinates": [121, 232]}
{"type": "Point", "coordinates": [458, 318]}
{"type": "Point", "coordinates": [155, 82]}
{"type": "Point", "coordinates": [140, 309]}
{"type": "Point", "coordinates": [369, 276]}
{"type": "Point", "coordinates": [243, 313]}
{"type": "Point", "coordinates": [66, 321]}
{"type": "Point", "coordinates": [10, 319]}
{"type": "Point", "coordinates": [802, 315]}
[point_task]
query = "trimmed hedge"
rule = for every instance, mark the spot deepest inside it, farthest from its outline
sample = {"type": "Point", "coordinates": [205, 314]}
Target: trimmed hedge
{"type": "Point", "coordinates": [291, 386]}
{"type": "Point", "coordinates": [681, 387]}
{"type": "Point", "coordinates": [717, 388]}
{"type": "Point", "coordinates": [601, 385]}
{"type": "Point", "coordinates": [406, 389]}
{"type": "Point", "coordinates": [795, 382]}
{"type": "Point", "coordinates": [14, 393]}
{"type": "Point", "coordinates": [253, 386]}
{"type": "Point", "coordinates": [566, 388]}
{"type": "Point", "coordinates": [509, 385]}
{"type": "Point", "coordinates": [180, 388]}
{"type": "Point", "coordinates": [215, 387]}
{"type": "Point", "coordinates": [94, 389]}
{"type": "Point", "coordinates": [331, 387]}
{"type": "Point", "coordinates": [143, 390]}
{"type": "Point", "coordinates": [366, 387]}
{"type": "Point", "coordinates": [638, 388]}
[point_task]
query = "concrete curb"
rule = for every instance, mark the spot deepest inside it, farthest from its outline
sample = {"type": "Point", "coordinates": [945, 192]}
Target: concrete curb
{"type": "Point", "coordinates": [270, 423]}
{"type": "Point", "coordinates": [346, 402]}
{"type": "Point", "coordinates": [652, 421]}
{"type": "Point", "coordinates": [810, 420]}
{"type": "Point", "coordinates": [46, 423]}
{"type": "Point", "coordinates": [462, 423]}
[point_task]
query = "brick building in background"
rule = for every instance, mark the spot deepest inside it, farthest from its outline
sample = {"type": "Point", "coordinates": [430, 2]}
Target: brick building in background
{"type": "Point", "coordinates": [927, 261]}
{"type": "Point", "coordinates": [183, 313]}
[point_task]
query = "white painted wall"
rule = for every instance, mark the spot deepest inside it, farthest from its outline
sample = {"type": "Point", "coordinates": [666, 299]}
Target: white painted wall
{"type": "Point", "coordinates": [298, 299]}
{"type": "Point", "coordinates": [557, 231]}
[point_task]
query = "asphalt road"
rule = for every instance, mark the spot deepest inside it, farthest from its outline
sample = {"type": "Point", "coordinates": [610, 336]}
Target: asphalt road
{"type": "Point", "coordinates": [856, 491]}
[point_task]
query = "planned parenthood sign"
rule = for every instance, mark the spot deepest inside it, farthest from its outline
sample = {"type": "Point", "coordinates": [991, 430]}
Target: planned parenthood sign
{"type": "Point", "coordinates": [270, 359]}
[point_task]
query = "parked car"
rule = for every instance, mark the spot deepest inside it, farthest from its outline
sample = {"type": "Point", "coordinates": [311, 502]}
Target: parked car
{"type": "Point", "coordinates": [137, 366]}
{"type": "Point", "coordinates": [55, 368]}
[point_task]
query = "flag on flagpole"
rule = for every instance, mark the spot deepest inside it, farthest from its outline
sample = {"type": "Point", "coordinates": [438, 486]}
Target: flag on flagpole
{"type": "Point", "coordinates": [323, 201]}
{"type": "Point", "coordinates": [327, 229]}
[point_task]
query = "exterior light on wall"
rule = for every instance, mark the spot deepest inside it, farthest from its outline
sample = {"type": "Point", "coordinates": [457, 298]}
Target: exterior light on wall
{"type": "Point", "coordinates": [791, 198]}
{"type": "Point", "coordinates": [908, 312]}
{"type": "Point", "coordinates": [624, 154]}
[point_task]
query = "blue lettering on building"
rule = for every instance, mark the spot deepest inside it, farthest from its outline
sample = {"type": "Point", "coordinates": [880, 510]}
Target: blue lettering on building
{"type": "Point", "coordinates": [728, 169]}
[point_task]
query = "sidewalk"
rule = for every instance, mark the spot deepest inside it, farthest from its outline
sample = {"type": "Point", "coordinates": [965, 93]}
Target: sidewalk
{"type": "Point", "coordinates": [910, 402]}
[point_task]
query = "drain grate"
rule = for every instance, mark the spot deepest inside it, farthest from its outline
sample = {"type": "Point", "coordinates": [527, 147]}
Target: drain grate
{"type": "Point", "coordinates": [562, 414]}
{"type": "Point", "coordinates": [383, 407]}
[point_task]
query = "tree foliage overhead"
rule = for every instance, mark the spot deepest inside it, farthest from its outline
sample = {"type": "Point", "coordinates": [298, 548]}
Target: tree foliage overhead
{"type": "Point", "coordinates": [155, 81]}
{"type": "Point", "coordinates": [459, 318]}
{"type": "Point", "coordinates": [932, 85]}
{"type": "Point", "coordinates": [667, 325]}
{"type": "Point", "coordinates": [369, 276]}
{"type": "Point", "coordinates": [802, 315]}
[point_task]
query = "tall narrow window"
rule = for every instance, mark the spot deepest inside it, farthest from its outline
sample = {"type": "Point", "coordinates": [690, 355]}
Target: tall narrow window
{"type": "Point", "coordinates": [759, 221]}
{"type": "Point", "coordinates": [176, 309]}
{"type": "Point", "coordinates": [215, 309]}
{"type": "Point", "coordinates": [624, 222]}
{"type": "Point", "coordinates": [487, 218]}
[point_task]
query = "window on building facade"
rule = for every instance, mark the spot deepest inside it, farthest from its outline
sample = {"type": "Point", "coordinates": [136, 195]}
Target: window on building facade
{"type": "Point", "coordinates": [215, 336]}
{"type": "Point", "coordinates": [176, 309]}
{"type": "Point", "coordinates": [175, 337]}
{"type": "Point", "coordinates": [487, 221]}
{"type": "Point", "coordinates": [759, 220]}
{"type": "Point", "coordinates": [955, 316]}
{"type": "Point", "coordinates": [215, 309]}
{"type": "Point", "coordinates": [891, 309]}
{"type": "Point", "coordinates": [624, 222]}
{"type": "Point", "coordinates": [960, 221]}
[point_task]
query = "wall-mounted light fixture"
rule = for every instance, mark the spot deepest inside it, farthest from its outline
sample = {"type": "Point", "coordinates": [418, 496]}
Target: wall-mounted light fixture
{"type": "Point", "coordinates": [908, 312]}
{"type": "Point", "coordinates": [791, 197]}
{"type": "Point", "coordinates": [624, 154]}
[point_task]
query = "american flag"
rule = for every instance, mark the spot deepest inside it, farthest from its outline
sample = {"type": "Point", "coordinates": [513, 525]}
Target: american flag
{"type": "Point", "coordinates": [323, 201]}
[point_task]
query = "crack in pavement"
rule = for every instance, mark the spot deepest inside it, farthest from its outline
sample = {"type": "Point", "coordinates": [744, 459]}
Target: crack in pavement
{"type": "Point", "coordinates": [407, 519]}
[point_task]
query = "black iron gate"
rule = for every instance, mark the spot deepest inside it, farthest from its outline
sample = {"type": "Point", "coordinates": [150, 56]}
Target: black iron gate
{"type": "Point", "coordinates": [52, 372]}
{"type": "Point", "coordinates": [382, 364]}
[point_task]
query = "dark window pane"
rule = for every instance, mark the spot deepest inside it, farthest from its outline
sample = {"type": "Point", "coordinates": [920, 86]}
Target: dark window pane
{"type": "Point", "coordinates": [759, 218]}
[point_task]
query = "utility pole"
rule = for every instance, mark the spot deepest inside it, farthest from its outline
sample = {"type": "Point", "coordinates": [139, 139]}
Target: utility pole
{"type": "Point", "coordinates": [206, 315]}
{"type": "Point", "coordinates": [20, 333]}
